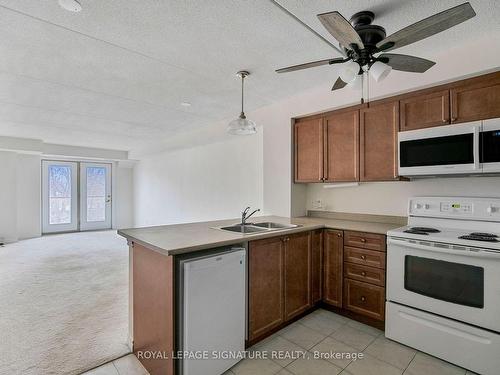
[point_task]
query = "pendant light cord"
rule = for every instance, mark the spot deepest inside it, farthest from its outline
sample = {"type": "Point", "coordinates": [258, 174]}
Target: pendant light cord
{"type": "Point", "coordinates": [242, 115]}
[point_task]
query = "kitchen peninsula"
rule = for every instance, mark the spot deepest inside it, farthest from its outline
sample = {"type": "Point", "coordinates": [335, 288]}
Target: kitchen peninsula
{"type": "Point", "coordinates": [336, 261]}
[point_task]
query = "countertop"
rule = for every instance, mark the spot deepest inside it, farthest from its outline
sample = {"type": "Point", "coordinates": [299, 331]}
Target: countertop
{"type": "Point", "coordinates": [184, 238]}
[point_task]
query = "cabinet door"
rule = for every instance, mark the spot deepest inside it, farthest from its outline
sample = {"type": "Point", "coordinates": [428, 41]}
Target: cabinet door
{"type": "Point", "coordinates": [297, 274]}
{"type": "Point", "coordinates": [425, 110]}
{"type": "Point", "coordinates": [316, 265]}
{"type": "Point", "coordinates": [265, 284]}
{"type": "Point", "coordinates": [333, 263]}
{"type": "Point", "coordinates": [365, 299]}
{"type": "Point", "coordinates": [477, 99]}
{"type": "Point", "coordinates": [309, 150]}
{"type": "Point", "coordinates": [379, 126]}
{"type": "Point", "coordinates": [342, 147]}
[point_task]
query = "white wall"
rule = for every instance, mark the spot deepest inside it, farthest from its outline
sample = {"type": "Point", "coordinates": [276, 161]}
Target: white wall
{"type": "Point", "coordinates": [284, 198]}
{"type": "Point", "coordinates": [28, 196]}
{"type": "Point", "coordinates": [208, 182]}
{"type": "Point", "coordinates": [8, 197]}
{"type": "Point", "coordinates": [123, 215]}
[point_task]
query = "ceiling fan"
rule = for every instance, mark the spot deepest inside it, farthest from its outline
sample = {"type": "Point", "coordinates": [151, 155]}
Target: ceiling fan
{"type": "Point", "coordinates": [365, 45]}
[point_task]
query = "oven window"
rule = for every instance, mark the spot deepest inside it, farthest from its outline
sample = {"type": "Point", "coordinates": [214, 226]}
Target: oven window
{"type": "Point", "coordinates": [453, 149]}
{"type": "Point", "coordinates": [490, 147]}
{"type": "Point", "coordinates": [452, 282]}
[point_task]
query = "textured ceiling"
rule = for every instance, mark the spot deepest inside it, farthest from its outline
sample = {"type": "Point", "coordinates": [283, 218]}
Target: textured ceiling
{"type": "Point", "coordinates": [115, 74]}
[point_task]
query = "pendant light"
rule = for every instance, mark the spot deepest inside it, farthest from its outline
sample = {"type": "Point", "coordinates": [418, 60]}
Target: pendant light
{"type": "Point", "coordinates": [242, 125]}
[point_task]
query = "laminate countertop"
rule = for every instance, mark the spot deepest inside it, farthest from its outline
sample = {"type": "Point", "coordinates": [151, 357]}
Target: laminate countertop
{"type": "Point", "coordinates": [184, 238]}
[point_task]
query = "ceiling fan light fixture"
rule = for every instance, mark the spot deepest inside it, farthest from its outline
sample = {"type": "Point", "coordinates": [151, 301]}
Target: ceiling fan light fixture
{"type": "Point", "coordinates": [71, 5]}
{"type": "Point", "coordinates": [242, 125]}
{"type": "Point", "coordinates": [349, 71]}
{"type": "Point", "coordinates": [379, 70]}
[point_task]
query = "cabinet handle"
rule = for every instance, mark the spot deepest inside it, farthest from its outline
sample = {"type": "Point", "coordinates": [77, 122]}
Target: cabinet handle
{"type": "Point", "coordinates": [453, 119]}
{"type": "Point", "coordinates": [363, 273]}
{"type": "Point", "coordinates": [445, 121]}
{"type": "Point", "coordinates": [363, 298]}
{"type": "Point", "coordinates": [363, 240]}
{"type": "Point", "coordinates": [363, 257]}
{"type": "Point", "coordinates": [339, 235]}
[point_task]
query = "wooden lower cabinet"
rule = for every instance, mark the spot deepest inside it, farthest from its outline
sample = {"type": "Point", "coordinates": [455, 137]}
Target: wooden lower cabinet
{"type": "Point", "coordinates": [364, 298]}
{"type": "Point", "coordinates": [297, 274]}
{"type": "Point", "coordinates": [316, 266]}
{"type": "Point", "coordinates": [333, 263]}
{"type": "Point", "coordinates": [265, 284]}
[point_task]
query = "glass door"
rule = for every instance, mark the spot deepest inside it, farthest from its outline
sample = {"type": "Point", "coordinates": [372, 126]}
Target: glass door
{"type": "Point", "coordinates": [95, 196]}
{"type": "Point", "coordinates": [59, 196]}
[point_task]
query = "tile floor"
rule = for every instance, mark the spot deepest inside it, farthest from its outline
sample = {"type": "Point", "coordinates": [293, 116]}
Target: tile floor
{"type": "Point", "coordinates": [322, 332]}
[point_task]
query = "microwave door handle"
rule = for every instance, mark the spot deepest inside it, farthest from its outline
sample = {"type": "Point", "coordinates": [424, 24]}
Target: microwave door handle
{"type": "Point", "coordinates": [476, 147]}
{"type": "Point", "coordinates": [471, 253]}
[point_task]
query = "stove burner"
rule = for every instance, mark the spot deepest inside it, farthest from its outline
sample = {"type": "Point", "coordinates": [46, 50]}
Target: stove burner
{"type": "Point", "coordinates": [425, 229]}
{"type": "Point", "coordinates": [475, 237]}
{"type": "Point", "coordinates": [414, 231]}
{"type": "Point", "coordinates": [481, 234]}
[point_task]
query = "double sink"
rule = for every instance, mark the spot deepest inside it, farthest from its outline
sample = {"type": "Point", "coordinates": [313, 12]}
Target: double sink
{"type": "Point", "coordinates": [257, 227]}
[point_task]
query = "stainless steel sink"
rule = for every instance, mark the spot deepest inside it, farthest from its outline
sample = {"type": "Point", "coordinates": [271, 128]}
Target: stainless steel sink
{"type": "Point", "coordinates": [243, 228]}
{"type": "Point", "coordinates": [257, 227]}
{"type": "Point", "coordinates": [271, 225]}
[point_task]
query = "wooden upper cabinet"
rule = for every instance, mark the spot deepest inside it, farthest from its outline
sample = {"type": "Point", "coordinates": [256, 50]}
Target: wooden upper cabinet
{"type": "Point", "coordinates": [316, 265]}
{"type": "Point", "coordinates": [379, 126]}
{"type": "Point", "coordinates": [425, 110]}
{"type": "Point", "coordinates": [333, 265]}
{"type": "Point", "coordinates": [477, 99]}
{"type": "Point", "coordinates": [342, 146]}
{"type": "Point", "coordinates": [297, 274]}
{"type": "Point", "coordinates": [309, 150]}
{"type": "Point", "coordinates": [265, 284]}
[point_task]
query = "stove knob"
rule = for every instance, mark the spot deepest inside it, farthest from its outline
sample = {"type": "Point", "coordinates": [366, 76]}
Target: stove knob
{"type": "Point", "coordinates": [426, 206]}
{"type": "Point", "coordinates": [417, 206]}
{"type": "Point", "coordinates": [490, 209]}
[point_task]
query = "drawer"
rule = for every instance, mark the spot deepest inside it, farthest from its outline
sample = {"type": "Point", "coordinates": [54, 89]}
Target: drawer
{"type": "Point", "coordinates": [366, 274]}
{"type": "Point", "coordinates": [370, 241]}
{"type": "Point", "coordinates": [365, 299]}
{"type": "Point", "coordinates": [364, 257]}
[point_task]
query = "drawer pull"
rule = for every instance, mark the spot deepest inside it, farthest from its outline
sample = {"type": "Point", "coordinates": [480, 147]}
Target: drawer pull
{"type": "Point", "coordinates": [363, 298]}
{"type": "Point", "coordinates": [363, 257]}
{"type": "Point", "coordinates": [363, 273]}
{"type": "Point", "coordinates": [363, 240]}
{"type": "Point", "coordinates": [339, 235]}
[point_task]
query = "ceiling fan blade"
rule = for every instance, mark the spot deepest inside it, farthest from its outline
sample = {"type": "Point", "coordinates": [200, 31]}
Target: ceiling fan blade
{"type": "Point", "coordinates": [341, 29]}
{"type": "Point", "coordinates": [339, 84]}
{"type": "Point", "coordinates": [427, 27]}
{"type": "Point", "coordinates": [406, 63]}
{"type": "Point", "coordinates": [311, 65]}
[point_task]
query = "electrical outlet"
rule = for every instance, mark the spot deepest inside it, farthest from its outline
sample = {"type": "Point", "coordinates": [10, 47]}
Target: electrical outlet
{"type": "Point", "coordinates": [317, 204]}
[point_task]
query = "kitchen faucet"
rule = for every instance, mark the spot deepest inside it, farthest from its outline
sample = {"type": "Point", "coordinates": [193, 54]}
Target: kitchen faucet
{"type": "Point", "coordinates": [245, 215]}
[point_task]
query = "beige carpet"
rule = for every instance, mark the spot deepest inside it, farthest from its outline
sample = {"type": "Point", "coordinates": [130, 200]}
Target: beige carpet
{"type": "Point", "coordinates": [63, 303]}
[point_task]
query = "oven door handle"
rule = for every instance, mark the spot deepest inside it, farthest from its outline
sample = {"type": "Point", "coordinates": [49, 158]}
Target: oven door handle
{"type": "Point", "coordinates": [469, 252]}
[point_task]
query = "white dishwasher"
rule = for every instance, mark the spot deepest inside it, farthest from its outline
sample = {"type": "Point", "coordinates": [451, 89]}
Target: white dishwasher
{"type": "Point", "coordinates": [213, 318]}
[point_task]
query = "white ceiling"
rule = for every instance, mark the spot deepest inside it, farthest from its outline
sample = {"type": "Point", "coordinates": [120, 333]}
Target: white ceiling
{"type": "Point", "coordinates": [114, 75]}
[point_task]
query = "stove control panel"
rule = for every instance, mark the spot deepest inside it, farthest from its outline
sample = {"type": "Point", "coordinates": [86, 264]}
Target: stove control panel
{"type": "Point", "coordinates": [487, 209]}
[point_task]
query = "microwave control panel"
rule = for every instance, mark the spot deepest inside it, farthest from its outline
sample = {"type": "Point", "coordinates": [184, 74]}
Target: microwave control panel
{"type": "Point", "coordinates": [487, 209]}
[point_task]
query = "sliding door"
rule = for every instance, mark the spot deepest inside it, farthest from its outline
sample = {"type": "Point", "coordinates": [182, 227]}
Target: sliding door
{"type": "Point", "coordinates": [59, 196]}
{"type": "Point", "coordinates": [95, 196]}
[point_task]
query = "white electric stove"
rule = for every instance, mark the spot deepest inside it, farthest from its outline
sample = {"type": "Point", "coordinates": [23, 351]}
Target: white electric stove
{"type": "Point", "coordinates": [443, 281]}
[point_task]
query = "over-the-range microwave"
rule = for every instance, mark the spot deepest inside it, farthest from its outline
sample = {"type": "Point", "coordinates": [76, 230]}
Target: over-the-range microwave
{"type": "Point", "coordinates": [459, 149]}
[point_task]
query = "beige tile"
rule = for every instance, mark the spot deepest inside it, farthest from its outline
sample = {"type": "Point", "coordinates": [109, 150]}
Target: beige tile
{"type": "Point", "coordinates": [371, 366]}
{"type": "Point", "coordinates": [302, 335]}
{"type": "Point", "coordinates": [129, 365]}
{"type": "Point", "coordinates": [364, 328]}
{"type": "Point", "coordinates": [391, 352]}
{"type": "Point", "coordinates": [313, 367]}
{"type": "Point", "coordinates": [280, 346]}
{"type": "Point", "coordinates": [228, 372]}
{"type": "Point", "coordinates": [470, 373]}
{"type": "Point", "coordinates": [353, 337]}
{"type": "Point", "coordinates": [424, 364]}
{"type": "Point", "coordinates": [107, 369]}
{"type": "Point", "coordinates": [330, 315]}
{"type": "Point", "coordinates": [256, 367]}
{"type": "Point", "coordinates": [328, 346]}
{"type": "Point", "coordinates": [284, 372]}
{"type": "Point", "coordinates": [324, 323]}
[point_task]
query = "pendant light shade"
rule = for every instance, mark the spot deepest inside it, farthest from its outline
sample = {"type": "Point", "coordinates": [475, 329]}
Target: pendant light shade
{"type": "Point", "coordinates": [379, 71]}
{"type": "Point", "coordinates": [242, 125]}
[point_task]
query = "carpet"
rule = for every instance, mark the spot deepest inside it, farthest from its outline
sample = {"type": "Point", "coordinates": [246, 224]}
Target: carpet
{"type": "Point", "coordinates": [63, 303]}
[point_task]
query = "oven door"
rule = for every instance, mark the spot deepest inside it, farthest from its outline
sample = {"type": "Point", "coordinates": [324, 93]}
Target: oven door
{"type": "Point", "coordinates": [452, 281]}
{"type": "Point", "coordinates": [489, 147]}
{"type": "Point", "coordinates": [452, 149]}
